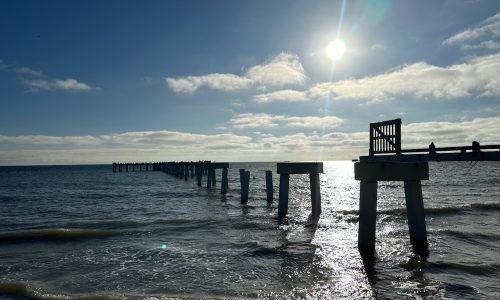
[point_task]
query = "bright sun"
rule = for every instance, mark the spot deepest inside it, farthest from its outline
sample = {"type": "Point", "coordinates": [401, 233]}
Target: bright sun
{"type": "Point", "coordinates": [335, 50]}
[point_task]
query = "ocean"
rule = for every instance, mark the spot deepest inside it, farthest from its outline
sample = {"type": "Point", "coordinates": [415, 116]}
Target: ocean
{"type": "Point", "coordinates": [71, 232]}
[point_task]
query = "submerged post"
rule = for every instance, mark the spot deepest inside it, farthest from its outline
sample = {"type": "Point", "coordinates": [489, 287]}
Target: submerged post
{"type": "Point", "coordinates": [367, 215]}
{"type": "Point", "coordinates": [283, 197]}
{"type": "Point", "coordinates": [245, 184]}
{"type": "Point", "coordinates": [209, 176]}
{"type": "Point", "coordinates": [224, 184]}
{"type": "Point", "coordinates": [214, 180]}
{"type": "Point", "coordinates": [269, 185]}
{"type": "Point", "coordinates": [315, 194]}
{"type": "Point", "coordinates": [416, 213]}
{"type": "Point", "coordinates": [199, 173]}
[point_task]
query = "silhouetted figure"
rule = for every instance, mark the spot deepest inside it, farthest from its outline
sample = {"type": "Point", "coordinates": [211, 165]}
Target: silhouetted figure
{"type": "Point", "coordinates": [432, 149]}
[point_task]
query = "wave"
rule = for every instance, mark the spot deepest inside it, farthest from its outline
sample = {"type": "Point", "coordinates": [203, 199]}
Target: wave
{"type": "Point", "coordinates": [486, 206]}
{"type": "Point", "coordinates": [28, 291]}
{"type": "Point", "coordinates": [53, 235]}
{"type": "Point", "coordinates": [433, 210]}
{"type": "Point", "coordinates": [472, 236]}
{"type": "Point", "coordinates": [479, 269]}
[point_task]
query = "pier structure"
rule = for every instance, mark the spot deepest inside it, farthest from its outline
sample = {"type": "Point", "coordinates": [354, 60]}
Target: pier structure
{"type": "Point", "coordinates": [387, 161]}
{"type": "Point", "coordinates": [288, 168]}
{"type": "Point", "coordinates": [136, 167]}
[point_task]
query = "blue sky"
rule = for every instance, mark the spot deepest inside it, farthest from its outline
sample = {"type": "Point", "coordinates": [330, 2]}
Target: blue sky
{"type": "Point", "coordinates": [103, 81]}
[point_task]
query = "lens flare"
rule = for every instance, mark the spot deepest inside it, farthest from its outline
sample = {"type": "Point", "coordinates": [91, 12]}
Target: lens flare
{"type": "Point", "coordinates": [335, 50]}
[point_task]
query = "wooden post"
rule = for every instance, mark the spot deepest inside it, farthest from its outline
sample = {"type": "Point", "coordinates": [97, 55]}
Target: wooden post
{"type": "Point", "coordinates": [192, 170]}
{"type": "Point", "coordinates": [214, 181]}
{"type": "Point", "coordinates": [269, 185]}
{"type": "Point", "coordinates": [224, 184]}
{"type": "Point", "coordinates": [315, 194]}
{"type": "Point", "coordinates": [416, 213]}
{"type": "Point", "coordinates": [367, 214]}
{"type": "Point", "coordinates": [283, 196]}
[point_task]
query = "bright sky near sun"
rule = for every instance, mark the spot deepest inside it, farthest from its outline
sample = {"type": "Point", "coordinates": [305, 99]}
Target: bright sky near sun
{"type": "Point", "coordinates": [103, 81]}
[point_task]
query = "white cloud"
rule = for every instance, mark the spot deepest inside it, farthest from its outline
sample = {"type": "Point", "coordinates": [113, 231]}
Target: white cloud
{"type": "Point", "coordinates": [50, 140]}
{"type": "Point", "coordinates": [489, 44]}
{"type": "Point", "coordinates": [483, 130]}
{"type": "Point", "coordinates": [68, 84]}
{"type": "Point", "coordinates": [314, 122]}
{"type": "Point", "coordinates": [283, 69]}
{"type": "Point", "coordinates": [490, 26]}
{"type": "Point", "coordinates": [282, 95]}
{"type": "Point", "coordinates": [28, 71]}
{"type": "Point", "coordinates": [478, 76]}
{"type": "Point", "coordinates": [224, 82]}
{"type": "Point", "coordinates": [250, 120]}
{"type": "Point", "coordinates": [171, 145]}
{"type": "Point", "coordinates": [43, 82]}
{"type": "Point", "coordinates": [263, 120]}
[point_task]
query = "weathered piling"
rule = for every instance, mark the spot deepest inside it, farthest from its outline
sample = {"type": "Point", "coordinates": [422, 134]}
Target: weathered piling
{"type": "Point", "coordinates": [199, 173]}
{"type": "Point", "coordinates": [269, 185]}
{"type": "Point", "coordinates": [209, 176]}
{"type": "Point", "coordinates": [311, 168]}
{"type": "Point", "coordinates": [224, 182]}
{"type": "Point", "coordinates": [369, 173]}
{"type": "Point", "coordinates": [245, 185]}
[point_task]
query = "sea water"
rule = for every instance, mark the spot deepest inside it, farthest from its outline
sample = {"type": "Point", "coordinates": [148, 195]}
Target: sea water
{"type": "Point", "coordinates": [83, 231]}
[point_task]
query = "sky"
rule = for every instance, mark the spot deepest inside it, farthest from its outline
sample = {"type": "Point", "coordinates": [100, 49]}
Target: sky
{"type": "Point", "coordinates": [104, 81]}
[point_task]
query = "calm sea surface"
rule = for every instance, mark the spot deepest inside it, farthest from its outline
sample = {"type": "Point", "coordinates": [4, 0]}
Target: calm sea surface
{"type": "Point", "coordinates": [82, 231]}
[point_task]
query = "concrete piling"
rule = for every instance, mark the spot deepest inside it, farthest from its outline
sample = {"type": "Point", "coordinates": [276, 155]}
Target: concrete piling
{"type": "Point", "coordinates": [415, 212]}
{"type": "Point", "coordinates": [367, 215]}
{"type": "Point", "coordinates": [311, 168]}
{"type": "Point", "coordinates": [224, 182]}
{"type": "Point", "coordinates": [315, 193]}
{"type": "Point", "coordinates": [209, 177]}
{"type": "Point", "coordinates": [369, 173]}
{"type": "Point", "coordinates": [245, 185]}
{"type": "Point", "coordinates": [269, 185]}
{"type": "Point", "coordinates": [283, 196]}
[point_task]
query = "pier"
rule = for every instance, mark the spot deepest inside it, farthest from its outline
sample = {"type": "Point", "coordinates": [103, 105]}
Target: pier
{"type": "Point", "coordinates": [386, 161]}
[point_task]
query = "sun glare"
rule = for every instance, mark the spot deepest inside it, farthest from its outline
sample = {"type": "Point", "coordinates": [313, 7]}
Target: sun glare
{"type": "Point", "coordinates": [335, 50]}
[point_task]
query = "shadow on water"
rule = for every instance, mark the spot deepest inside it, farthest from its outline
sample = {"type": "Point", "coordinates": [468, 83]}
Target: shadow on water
{"type": "Point", "coordinates": [369, 259]}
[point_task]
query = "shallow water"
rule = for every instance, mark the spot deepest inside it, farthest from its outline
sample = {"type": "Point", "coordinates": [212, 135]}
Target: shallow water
{"type": "Point", "coordinates": [83, 231]}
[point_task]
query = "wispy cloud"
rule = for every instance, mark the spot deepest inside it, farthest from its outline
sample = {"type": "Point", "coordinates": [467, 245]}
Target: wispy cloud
{"type": "Point", "coordinates": [281, 70]}
{"type": "Point", "coordinates": [263, 120]}
{"type": "Point", "coordinates": [28, 71]}
{"type": "Point", "coordinates": [68, 84]}
{"type": "Point", "coordinates": [282, 96]}
{"type": "Point", "coordinates": [489, 28]}
{"type": "Point", "coordinates": [36, 80]}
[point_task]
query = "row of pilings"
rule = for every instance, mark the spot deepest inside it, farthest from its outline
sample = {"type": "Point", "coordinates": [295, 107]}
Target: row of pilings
{"type": "Point", "coordinates": [136, 167]}
{"type": "Point", "coordinates": [369, 173]}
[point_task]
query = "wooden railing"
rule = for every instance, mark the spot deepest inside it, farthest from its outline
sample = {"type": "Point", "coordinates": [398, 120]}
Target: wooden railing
{"type": "Point", "coordinates": [385, 137]}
